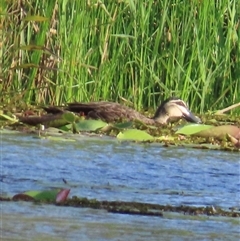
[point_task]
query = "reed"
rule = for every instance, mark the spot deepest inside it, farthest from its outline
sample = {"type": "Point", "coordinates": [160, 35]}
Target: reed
{"type": "Point", "coordinates": [55, 52]}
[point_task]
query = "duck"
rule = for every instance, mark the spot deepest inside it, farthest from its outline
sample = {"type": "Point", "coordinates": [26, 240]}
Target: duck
{"type": "Point", "coordinates": [170, 110]}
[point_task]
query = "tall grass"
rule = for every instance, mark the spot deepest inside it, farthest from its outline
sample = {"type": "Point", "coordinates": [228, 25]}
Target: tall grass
{"type": "Point", "coordinates": [55, 52]}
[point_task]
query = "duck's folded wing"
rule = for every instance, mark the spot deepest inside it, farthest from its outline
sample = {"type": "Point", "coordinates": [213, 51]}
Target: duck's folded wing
{"type": "Point", "coordinates": [107, 111]}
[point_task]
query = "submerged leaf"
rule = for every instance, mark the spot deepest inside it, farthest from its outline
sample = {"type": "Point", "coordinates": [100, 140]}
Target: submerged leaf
{"type": "Point", "coordinates": [134, 134]}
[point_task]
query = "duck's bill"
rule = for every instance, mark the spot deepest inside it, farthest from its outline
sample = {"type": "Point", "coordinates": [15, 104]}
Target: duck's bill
{"type": "Point", "coordinates": [189, 116]}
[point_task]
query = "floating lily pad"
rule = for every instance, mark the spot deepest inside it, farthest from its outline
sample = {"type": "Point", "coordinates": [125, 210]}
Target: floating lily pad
{"type": "Point", "coordinates": [134, 134]}
{"type": "Point", "coordinates": [193, 129]}
{"type": "Point", "coordinates": [66, 128]}
{"type": "Point", "coordinates": [220, 132]}
{"type": "Point", "coordinates": [43, 195]}
{"type": "Point", "coordinates": [90, 125]}
{"type": "Point", "coordinates": [49, 195]}
{"type": "Point", "coordinates": [69, 117]}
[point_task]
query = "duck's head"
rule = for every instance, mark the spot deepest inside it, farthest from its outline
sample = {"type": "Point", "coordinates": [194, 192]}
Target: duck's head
{"type": "Point", "coordinates": [174, 109]}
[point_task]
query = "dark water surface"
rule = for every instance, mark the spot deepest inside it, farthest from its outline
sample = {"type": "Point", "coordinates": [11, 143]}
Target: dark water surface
{"type": "Point", "coordinates": [110, 170]}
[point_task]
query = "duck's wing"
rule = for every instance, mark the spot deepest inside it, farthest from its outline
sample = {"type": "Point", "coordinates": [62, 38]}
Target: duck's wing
{"type": "Point", "coordinates": [53, 110]}
{"type": "Point", "coordinates": [107, 111]}
{"type": "Point", "coordinates": [90, 106]}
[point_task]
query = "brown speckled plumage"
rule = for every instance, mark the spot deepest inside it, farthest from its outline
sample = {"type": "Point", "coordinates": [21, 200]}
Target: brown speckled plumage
{"type": "Point", "coordinates": [170, 110]}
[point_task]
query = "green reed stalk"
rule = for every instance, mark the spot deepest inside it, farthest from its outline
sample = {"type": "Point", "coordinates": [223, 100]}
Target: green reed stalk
{"type": "Point", "coordinates": [141, 52]}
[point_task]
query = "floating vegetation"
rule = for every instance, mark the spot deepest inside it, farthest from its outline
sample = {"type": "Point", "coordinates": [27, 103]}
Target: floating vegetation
{"type": "Point", "coordinates": [133, 208]}
{"type": "Point", "coordinates": [61, 126]}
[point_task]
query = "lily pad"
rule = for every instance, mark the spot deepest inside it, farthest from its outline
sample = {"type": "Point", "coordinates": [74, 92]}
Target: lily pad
{"type": "Point", "coordinates": [69, 117]}
{"type": "Point", "coordinates": [49, 195]}
{"type": "Point", "coordinates": [65, 128]}
{"type": "Point", "coordinates": [43, 195]}
{"type": "Point", "coordinates": [135, 135]}
{"type": "Point", "coordinates": [193, 129]}
{"type": "Point", "coordinates": [90, 125]}
{"type": "Point", "coordinates": [220, 132]}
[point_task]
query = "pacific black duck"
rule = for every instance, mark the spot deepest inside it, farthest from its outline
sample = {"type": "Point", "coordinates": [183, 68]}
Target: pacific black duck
{"type": "Point", "coordinates": [170, 110]}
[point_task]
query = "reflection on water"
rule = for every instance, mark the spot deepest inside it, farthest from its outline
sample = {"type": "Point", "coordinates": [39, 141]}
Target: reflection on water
{"type": "Point", "coordinates": [110, 170]}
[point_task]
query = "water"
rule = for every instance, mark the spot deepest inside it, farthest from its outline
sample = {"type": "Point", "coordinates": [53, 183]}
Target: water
{"type": "Point", "coordinates": [109, 170]}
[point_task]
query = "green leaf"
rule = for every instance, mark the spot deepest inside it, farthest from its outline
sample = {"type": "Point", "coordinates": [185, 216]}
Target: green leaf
{"type": "Point", "coordinates": [57, 195]}
{"type": "Point", "coordinates": [90, 125]}
{"type": "Point", "coordinates": [134, 134]}
{"type": "Point", "coordinates": [66, 128]}
{"type": "Point", "coordinates": [124, 125]}
{"type": "Point", "coordinates": [220, 132]}
{"type": "Point", "coordinates": [193, 129]}
{"type": "Point", "coordinates": [69, 117]}
{"type": "Point", "coordinates": [43, 195]}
